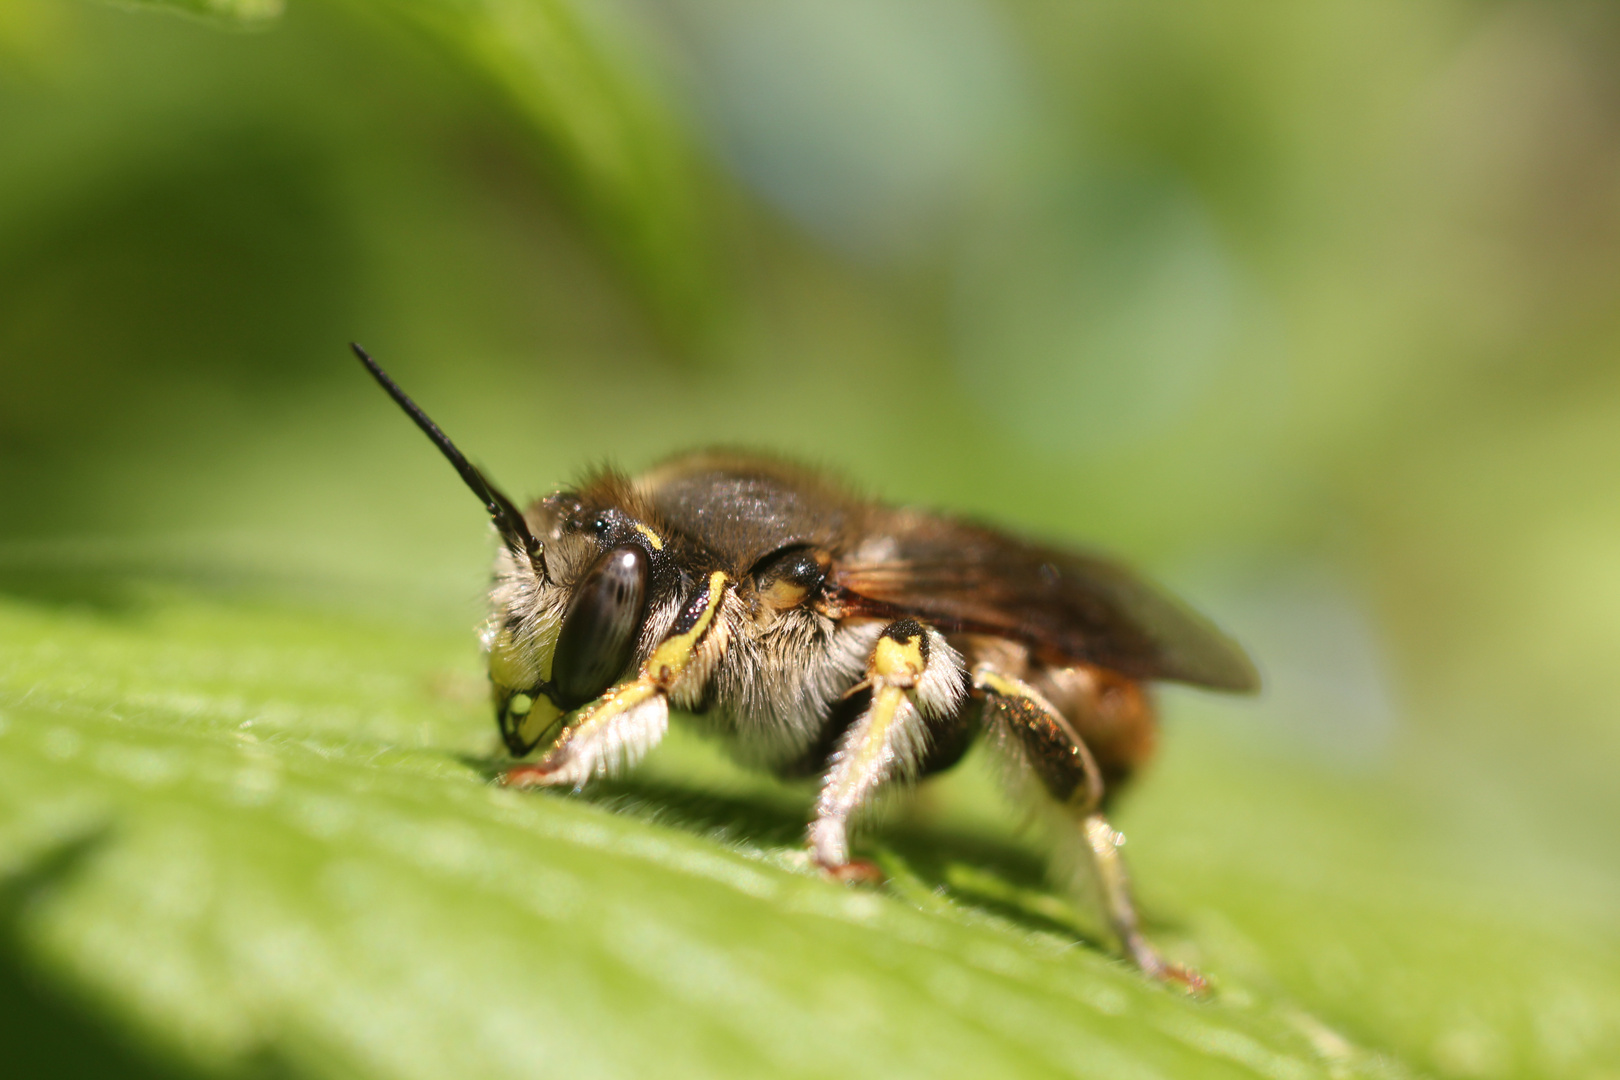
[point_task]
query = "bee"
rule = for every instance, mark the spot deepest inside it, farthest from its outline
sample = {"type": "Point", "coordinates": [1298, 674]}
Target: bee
{"type": "Point", "coordinates": [822, 634]}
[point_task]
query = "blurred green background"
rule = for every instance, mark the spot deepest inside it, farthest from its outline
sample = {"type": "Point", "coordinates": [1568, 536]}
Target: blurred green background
{"type": "Point", "coordinates": [1309, 310]}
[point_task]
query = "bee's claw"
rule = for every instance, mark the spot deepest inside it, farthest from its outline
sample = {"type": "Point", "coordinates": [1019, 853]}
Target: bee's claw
{"type": "Point", "coordinates": [1187, 979]}
{"type": "Point", "coordinates": [856, 872]}
{"type": "Point", "coordinates": [535, 775]}
{"type": "Point", "coordinates": [1160, 970]}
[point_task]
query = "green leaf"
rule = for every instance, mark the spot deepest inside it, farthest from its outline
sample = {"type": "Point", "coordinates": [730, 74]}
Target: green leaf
{"type": "Point", "coordinates": [257, 835]}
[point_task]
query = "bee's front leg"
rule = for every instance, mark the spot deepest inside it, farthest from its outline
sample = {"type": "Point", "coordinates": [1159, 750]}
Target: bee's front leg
{"type": "Point", "coordinates": [618, 728]}
{"type": "Point", "coordinates": [1048, 744]}
{"type": "Point", "coordinates": [611, 733]}
{"type": "Point", "coordinates": [914, 677]}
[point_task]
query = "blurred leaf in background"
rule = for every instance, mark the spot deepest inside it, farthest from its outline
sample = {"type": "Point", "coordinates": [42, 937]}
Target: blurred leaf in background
{"type": "Point", "coordinates": [1310, 312]}
{"type": "Point", "coordinates": [240, 14]}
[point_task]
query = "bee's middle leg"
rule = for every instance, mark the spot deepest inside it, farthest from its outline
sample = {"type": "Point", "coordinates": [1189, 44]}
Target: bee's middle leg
{"type": "Point", "coordinates": [914, 677]}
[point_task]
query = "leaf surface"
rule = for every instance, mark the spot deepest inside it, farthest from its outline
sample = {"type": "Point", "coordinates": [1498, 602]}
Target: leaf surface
{"type": "Point", "coordinates": [253, 834]}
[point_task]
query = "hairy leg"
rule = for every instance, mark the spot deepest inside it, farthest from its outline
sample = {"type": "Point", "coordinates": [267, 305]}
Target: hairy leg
{"type": "Point", "coordinates": [914, 677]}
{"type": "Point", "coordinates": [1046, 741]}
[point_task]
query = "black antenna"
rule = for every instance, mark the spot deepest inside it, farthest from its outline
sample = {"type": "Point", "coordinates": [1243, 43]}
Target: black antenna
{"type": "Point", "coordinates": [508, 521]}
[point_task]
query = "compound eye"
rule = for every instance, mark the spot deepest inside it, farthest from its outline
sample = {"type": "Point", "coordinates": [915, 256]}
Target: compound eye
{"type": "Point", "coordinates": [599, 631]}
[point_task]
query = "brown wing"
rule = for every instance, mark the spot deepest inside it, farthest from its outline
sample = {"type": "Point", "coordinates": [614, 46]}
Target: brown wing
{"type": "Point", "coordinates": [1067, 606]}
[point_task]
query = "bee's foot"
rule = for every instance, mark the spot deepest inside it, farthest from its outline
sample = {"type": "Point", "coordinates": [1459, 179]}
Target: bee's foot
{"type": "Point", "coordinates": [1183, 978]}
{"type": "Point", "coordinates": [856, 872]}
{"type": "Point", "coordinates": [538, 774]}
{"type": "Point", "coordinates": [1186, 979]}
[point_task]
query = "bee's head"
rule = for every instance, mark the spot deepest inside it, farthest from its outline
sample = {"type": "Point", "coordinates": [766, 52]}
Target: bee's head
{"type": "Point", "coordinates": [557, 641]}
{"type": "Point", "coordinates": [570, 598]}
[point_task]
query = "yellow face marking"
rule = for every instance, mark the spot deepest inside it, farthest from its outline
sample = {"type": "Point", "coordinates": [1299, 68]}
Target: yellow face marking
{"type": "Point", "coordinates": [893, 659]}
{"type": "Point", "coordinates": [652, 538]}
{"type": "Point", "coordinates": [671, 657]}
{"type": "Point", "coordinates": [538, 718]}
{"type": "Point", "coordinates": [508, 666]}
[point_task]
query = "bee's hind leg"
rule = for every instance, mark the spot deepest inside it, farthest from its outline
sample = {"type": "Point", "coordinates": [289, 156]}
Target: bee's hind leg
{"type": "Point", "coordinates": [915, 678]}
{"type": "Point", "coordinates": [1040, 734]}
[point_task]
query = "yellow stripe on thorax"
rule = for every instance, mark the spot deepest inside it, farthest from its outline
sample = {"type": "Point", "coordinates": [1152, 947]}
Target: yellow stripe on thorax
{"type": "Point", "coordinates": [652, 538]}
